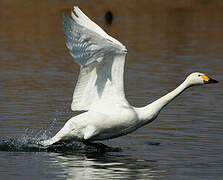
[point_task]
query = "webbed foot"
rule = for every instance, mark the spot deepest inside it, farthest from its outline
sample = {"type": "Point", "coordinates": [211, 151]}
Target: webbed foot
{"type": "Point", "coordinates": [102, 148]}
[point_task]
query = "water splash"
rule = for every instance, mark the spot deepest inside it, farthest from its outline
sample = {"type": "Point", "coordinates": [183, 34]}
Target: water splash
{"type": "Point", "coordinates": [29, 141]}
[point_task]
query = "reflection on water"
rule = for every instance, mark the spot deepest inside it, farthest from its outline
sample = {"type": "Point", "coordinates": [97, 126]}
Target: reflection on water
{"type": "Point", "coordinates": [166, 41]}
{"type": "Point", "coordinates": [94, 166]}
{"type": "Point", "coordinates": [79, 166]}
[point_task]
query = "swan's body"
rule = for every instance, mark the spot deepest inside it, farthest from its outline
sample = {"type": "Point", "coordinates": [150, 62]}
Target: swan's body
{"type": "Point", "coordinates": [100, 90]}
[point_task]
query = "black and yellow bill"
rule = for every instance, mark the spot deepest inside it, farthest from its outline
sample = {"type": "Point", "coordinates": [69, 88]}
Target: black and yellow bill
{"type": "Point", "coordinates": [208, 80]}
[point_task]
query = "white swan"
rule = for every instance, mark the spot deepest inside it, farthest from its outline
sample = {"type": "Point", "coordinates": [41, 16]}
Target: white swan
{"type": "Point", "coordinates": [100, 90]}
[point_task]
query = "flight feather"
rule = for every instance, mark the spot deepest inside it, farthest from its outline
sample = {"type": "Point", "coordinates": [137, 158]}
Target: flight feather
{"type": "Point", "coordinates": [101, 59]}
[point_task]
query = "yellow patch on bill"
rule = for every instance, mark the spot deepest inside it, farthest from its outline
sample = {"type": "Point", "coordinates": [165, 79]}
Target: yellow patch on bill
{"type": "Point", "coordinates": [205, 78]}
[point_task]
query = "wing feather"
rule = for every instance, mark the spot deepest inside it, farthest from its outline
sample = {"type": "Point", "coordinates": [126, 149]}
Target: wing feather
{"type": "Point", "coordinates": [101, 58]}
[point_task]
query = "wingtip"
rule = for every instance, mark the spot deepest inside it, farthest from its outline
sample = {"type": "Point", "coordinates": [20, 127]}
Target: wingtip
{"type": "Point", "coordinates": [77, 11]}
{"type": "Point", "coordinates": [76, 8]}
{"type": "Point", "coordinates": [77, 14]}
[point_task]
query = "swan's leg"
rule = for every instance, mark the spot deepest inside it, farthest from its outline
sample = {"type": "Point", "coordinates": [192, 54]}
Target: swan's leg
{"type": "Point", "coordinates": [101, 147]}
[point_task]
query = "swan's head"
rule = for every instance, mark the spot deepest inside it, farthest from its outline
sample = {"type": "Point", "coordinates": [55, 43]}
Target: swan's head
{"type": "Point", "coordinates": [199, 79]}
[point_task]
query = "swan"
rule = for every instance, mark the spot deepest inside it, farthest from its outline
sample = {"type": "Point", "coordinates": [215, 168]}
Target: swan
{"type": "Point", "coordinates": [99, 91]}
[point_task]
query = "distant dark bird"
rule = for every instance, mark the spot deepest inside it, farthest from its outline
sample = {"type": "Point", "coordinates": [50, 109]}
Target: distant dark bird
{"type": "Point", "coordinates": [109, 17]}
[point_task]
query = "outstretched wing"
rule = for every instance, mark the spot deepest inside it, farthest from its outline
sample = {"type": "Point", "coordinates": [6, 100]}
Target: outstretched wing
{"type": "Point", "coordinates": [101, 58]}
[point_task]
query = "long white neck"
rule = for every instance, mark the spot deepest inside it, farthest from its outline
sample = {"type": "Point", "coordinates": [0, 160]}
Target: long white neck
{"type": "Point", "coordinates": [150, 112]}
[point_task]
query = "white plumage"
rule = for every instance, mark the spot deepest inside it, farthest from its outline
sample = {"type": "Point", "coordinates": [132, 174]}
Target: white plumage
{"type": "Point", "coordinates": [100, 89]}
{"type": "Point", "coordinates": [101, 58]}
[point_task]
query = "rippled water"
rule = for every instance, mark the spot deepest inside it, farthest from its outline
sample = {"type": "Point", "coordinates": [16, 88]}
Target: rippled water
{"type": "Point", "coordinates": [166, 41]}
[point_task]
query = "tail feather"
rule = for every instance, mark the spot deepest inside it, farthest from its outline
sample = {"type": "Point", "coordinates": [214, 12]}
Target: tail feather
{"type": "Point", "coordinates": [47, 142]}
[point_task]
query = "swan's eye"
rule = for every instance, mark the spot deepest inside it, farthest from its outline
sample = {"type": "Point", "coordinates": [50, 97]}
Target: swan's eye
{"type": "Point", "coordinates": [199, 75]}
